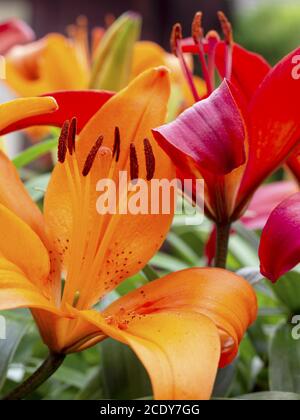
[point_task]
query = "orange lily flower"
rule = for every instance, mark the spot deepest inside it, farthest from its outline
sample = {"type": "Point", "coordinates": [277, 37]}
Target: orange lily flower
{"type": "Point", "coordinates": [183, 326]}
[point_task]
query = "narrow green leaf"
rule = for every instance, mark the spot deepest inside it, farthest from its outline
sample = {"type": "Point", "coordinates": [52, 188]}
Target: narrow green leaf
{"type": "Point", "coordinates": [285, 361]}
{"type": "Point", "coordinates": [287, 289]}
{"type": "Point", "coordinates": [13, 331]}
{"type": "Point", "coordinates": [270, 396]}
{"type": "Point", "coordinates": [124, 376]}
{"type": "Point", "coordinates": [182, 249]}
{"type": "Point", "coordinates": [34, 152]}
{"type": "Point", "coordinates": [168, 263]}
{"type": "Point", "coordinates": [92, 388]}
{"type": "Point", "coordinates": [150, 273]}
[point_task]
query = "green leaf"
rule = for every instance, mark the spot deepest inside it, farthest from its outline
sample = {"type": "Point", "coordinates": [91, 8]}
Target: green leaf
{"type": "Point", "coordinates": [167, 262]}
{"type": "Point", "coordinates": [243, 252]}
{"type": "Point", "coordinates": [92, 388]}
{"type": "Point", "coordinates": [124, 376]}
{"type": "Point", "coordinates": [248, 235]}
{"type": "Point", "coordinates": [34, 152]}
{"type": "Point", "coordinates": [270, 396]}
{"type": "Point", "coordinates": [287, 289]}
{"type": "Point", "coordinates": [8, 346]}
{"type": "Point", "coordinates": [181, 249]}
{"type": "Point", "coordinates": [224, 381]}
{"type": "Point", "coordinates": [285, 361]}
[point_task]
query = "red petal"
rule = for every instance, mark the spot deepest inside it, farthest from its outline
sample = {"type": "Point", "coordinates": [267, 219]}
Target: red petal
{"type": "Point", "coordinates": [209, 136]}
{"type": "Point", "coordinates": [248, 69]}
{"type": "Point", "coordinates": [80, 104]}
{"type": "Point", "coordinates": [274, 125]}
{"type": "Point", "coordinates": [14, 32]}
{"type": "Point", "coordinates": [279, 249]}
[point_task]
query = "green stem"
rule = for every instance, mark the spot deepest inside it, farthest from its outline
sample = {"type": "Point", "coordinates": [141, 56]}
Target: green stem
{"type": "Point", "coordinates": [47, 369]}
{"type": "Point", "coordinates": [223, 233]}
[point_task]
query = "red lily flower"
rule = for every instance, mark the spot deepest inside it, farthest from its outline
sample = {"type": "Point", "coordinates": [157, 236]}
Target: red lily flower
{"type": "Point", "coordinates": [238, 136]}
{"type": "Point", "coordinates": [279, 248]}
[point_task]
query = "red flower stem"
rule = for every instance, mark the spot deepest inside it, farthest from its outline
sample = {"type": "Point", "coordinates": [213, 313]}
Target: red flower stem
{"type": "Point", "coordinates": [44, 372]}
{"type": "Point", "coordinates": [223, 233]}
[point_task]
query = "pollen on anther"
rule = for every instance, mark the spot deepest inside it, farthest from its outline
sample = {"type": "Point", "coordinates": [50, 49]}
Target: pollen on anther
{"type": "Point", "coordinates": [92, 156]}
{"type": "Point", "coordinates": [176, 36]}
{"type": "Point", "coordinates": [150, 159]}
{"type": "Point", "coordinates": [226, 28]}
{"type": "Point", "coordinates": [117, 144]}
{"type": "Point", "coordinates": [134, 165]}
{"type": "Point", "coordinates": [197, 30]}
{"type": "Point", "coordinates": [72, 135]}
{"type": "Point", "coordinates": [62, 142]}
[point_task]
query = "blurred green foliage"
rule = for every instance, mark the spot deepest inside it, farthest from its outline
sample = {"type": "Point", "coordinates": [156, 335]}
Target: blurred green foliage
{"type": "Point", "coordinates": [272, 29]}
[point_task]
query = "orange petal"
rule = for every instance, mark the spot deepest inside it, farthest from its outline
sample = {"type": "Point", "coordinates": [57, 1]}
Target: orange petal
{"type": "Point", "coordinates": [103, 250]}
{"type": "Point", "coordinates": [16, 291]}
{"type": "Point", "coordinates": [180, 351]}
{"type": "Point", "coordinates": [19, 109]}
{"type": "Point", "coordinates": [46, 65]}
{"type": "Point", "coordinates": [227, 299]}
{"type": "Point", "coordinates": [21, 245]}
{"type": "Point", "coordinates": [15, 197]}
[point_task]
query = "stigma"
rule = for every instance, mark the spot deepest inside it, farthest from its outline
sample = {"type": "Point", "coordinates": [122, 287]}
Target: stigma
{"type": "Point", "coordinates": [204, 48]}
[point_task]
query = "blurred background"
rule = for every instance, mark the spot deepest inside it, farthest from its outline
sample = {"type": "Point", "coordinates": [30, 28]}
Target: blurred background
{"type": "Point", "coordinates": [268, 26]}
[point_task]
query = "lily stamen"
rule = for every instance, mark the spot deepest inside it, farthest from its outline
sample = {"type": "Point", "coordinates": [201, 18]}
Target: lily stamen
{"type": "Point", "coordinates": [228, 35]}
{"type": "Point", "coordinates": [134, 164]}
{"type": "Point", "coordinates": [92, 156]}
{"type": "Point", "coordinates": [150, 159]}
{"type": "Point", "coordinates": [72, 135]}
{"type": "Point", "coordinates": [198, 34]}
{"type": "Point", "coordinates": [62, 142]}
{"type": "Point", "coordinates": [176, 38]}
{"type": "Point", "coordinates": [117, 144]}
{"type": "Point", "coordinates": [212, 39]}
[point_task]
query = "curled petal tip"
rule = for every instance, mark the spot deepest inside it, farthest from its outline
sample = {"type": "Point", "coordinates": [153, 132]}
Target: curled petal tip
{"type": "Point", "coordinates": [133, 15]}
{"type": "Point", "coordinates": [162, 70]}
{"type": "Point", "coordinates": [52, 101]}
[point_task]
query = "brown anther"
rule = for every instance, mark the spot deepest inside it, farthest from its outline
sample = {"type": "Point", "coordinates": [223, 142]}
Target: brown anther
{"type": "Point", "coordinates": [92, 156]}
{"type": "Point", "coordinates": [176, 36]}
{"type": "Point", "coordinates": [62, 142]}
{"type": "Point", "coordinates": [150, 159]}
{"type": "Point", "coordinates": [226, 28]}
{"type": "Point", "coordinates": [72, 135]}
{"type": "Point", "coordinates": [134, 165]}
{"type": "Point", "coordinates": [117, 144]}
{"type": "Point", "coordinates": [197, 29]}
